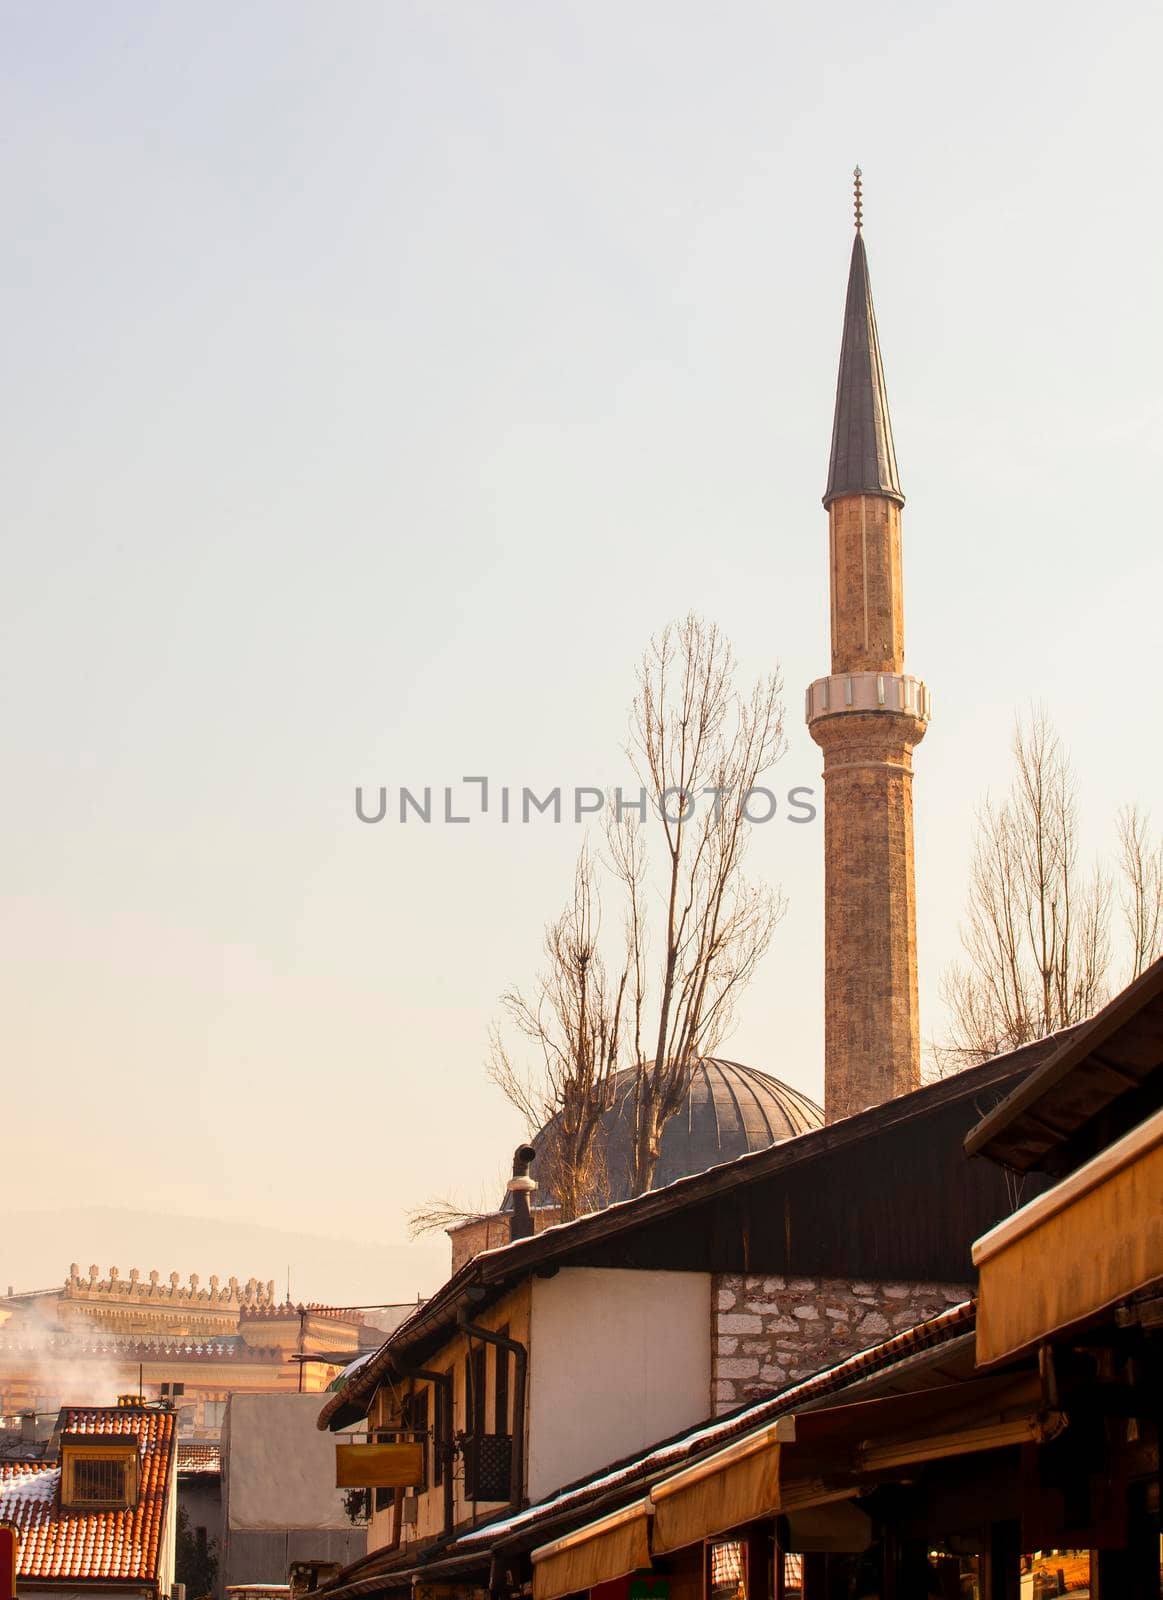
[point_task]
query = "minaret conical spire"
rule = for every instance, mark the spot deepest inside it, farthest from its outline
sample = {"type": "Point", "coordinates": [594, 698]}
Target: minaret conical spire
{"type": "Point", "coordinates": [863, 459]}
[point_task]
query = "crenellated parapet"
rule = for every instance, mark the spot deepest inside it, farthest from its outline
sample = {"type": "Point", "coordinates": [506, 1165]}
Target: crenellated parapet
{"type": "Point", "coordinates": [287, 1310]}
{"type": "Point", "coordinates": [233, 1295]}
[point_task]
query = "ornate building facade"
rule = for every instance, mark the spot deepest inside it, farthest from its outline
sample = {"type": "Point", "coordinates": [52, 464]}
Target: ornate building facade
{"type": "Point", "coordinates": [95, 1338]}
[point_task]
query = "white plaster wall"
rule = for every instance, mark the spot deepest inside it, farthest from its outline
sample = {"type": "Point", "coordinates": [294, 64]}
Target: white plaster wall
{"type": "Point", "coordinates": [278, 1469]}
{"type": "Point", "coordinates": [617, 1360]}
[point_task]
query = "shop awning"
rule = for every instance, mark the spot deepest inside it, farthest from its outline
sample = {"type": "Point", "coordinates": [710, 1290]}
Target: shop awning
{"type": "Point", "coordinates": [1091, 1241]}
{"type": "Point", "coordinates": [734, 1486]}
{"type": "Point", "coordinates": [597, 1553]}
{"type": "Point", "coordinates": [811, 1458]}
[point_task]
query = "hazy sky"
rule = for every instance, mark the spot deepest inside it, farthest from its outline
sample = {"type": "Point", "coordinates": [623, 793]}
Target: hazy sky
{"type": "Point", "coordinates": [377, 378]}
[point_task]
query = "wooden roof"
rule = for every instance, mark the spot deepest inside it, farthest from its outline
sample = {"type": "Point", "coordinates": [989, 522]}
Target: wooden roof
{"type": "Point", "coordinates": [1103, 1078]}
{"type": "Point", "coordinates": [885, 1194]}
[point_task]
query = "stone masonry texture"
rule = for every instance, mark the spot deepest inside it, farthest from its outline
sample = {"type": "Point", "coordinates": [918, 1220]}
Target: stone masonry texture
{"type": "Point", "coordinates": [872, 1043]}
{"type": "Point", "coordinates": [767, 1332]}
{"type": "Point", "coordinates": [867, 585]}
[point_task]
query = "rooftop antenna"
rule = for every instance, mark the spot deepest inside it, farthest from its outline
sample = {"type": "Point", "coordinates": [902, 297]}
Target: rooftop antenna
{"type": "Point", "coordinates": [859, 198]}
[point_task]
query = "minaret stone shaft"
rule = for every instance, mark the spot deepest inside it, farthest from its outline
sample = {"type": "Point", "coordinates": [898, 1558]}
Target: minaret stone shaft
{"type": "Point", "coordinates": [866, 717]}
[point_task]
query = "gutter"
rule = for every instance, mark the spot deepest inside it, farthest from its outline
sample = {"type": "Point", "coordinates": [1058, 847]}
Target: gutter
{"type": "Point", "coordinates": [343, 1407]}
{"type": "Point", "coordinates": [443, 1381]}
{"type": "Point", "coordinates": [142, 1586]}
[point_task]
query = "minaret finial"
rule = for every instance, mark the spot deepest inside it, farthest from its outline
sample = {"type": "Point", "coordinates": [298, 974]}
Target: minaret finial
{"type": "Point", "coordinates": [857, 175]}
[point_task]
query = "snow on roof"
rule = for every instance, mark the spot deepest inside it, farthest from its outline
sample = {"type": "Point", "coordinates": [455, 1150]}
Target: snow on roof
{"type": "Point", "coordinates": [711, 1433]}
{"type": "Point", "coordinates": [35, 1483]}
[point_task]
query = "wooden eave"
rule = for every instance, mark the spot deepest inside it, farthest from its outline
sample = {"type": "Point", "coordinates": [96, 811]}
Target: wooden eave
{"type": "Point", "coordinates": [1103, 1077]}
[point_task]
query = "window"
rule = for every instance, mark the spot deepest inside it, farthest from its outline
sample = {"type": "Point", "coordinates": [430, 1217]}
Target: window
{"type": "Point", "coordinates": [98, 1482]}
{"type": "Point", "coordinates": [488, 1456]}
{"type": "Point", "coordinates": [419, 1423]}
{"type": "Point", "coordinates": [726, 1580]}
{"type": "Point", "coordinates": [501, 1386]}
{"type": "Point", "coordinates": [99, 1476]}
{"type": "Point", "coordinates": [1049, 1573]}
{"type": "Point", "coordinates": [793, 1574]}
{"type": "Point", "coordinates": [440, 1428]}
{"type": "Point", "coordinates": [488, 1467]}
{"type": "Point", "coordinates": [213, 1413]}
{"type": "Point", "coordinates": [474, 1392]}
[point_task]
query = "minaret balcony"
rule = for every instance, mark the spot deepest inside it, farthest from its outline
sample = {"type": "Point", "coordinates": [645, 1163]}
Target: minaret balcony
{"type": "Point", "coordinates": [892, 692]}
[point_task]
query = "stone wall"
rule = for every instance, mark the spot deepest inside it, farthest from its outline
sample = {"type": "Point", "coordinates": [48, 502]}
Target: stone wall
{"type": "Point", "coordinates": [771, 1331]}
{"type": "Point", "coordinates": [490, 1231]}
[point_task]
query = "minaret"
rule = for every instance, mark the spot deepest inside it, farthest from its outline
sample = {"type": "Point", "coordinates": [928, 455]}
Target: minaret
{"type": "Point", "coordinates": [866, 717]}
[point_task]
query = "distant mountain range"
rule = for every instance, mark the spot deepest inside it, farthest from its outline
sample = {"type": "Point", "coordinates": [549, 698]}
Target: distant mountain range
{"type": "Point", "coordinates": [37, 1247]}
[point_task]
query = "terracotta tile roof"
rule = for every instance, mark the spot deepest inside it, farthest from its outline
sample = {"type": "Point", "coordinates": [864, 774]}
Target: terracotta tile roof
{"type": "Point", "coordinates": [199, 1456]}
{"type": "Point", "coordinates": [95, 1546]}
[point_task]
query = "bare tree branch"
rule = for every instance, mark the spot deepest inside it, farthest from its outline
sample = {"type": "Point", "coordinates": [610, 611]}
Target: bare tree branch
{"type": "Point", "coordinates": [693, 932]}
{"type": "Point", "coordinates": [1037, 930]}
{"type": "Point", "coordinates": [574, 1020]}
{"type": "Point", "coordinates": [699, 748]}
{"type": "Point", "coordinates": [1141, 865]}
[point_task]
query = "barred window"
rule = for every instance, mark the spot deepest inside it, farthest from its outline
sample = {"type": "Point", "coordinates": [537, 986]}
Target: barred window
{"type": "Point", "coordinates": [98, 1482]}
{"type": "Point", "coordinates": [726, 1571]}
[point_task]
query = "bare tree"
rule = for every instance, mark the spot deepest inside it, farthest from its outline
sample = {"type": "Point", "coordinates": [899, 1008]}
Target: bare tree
{"type": "Point", "coordinates": [574, 1018]}
{"type": "Point", "coordinates": [1037, 930]}
{"type": "Point", "coordinates": [439, 1213]}
{"type": "Point", "coordinates": [1141, 864]}
{"type": "Point", "coordinates": [699, 747]}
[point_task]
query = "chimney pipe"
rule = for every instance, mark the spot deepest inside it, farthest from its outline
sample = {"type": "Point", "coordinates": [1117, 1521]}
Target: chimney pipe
{"type": "Point", "coordinates": [521, 1186]}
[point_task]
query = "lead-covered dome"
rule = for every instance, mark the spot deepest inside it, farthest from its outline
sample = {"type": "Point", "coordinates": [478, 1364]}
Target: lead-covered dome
{"type": "Point", "coordinates": [729, 1110]}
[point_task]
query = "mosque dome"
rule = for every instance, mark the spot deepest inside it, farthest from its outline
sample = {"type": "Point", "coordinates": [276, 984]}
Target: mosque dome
{"type": "Point", "coordinates": [729, 1110]}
